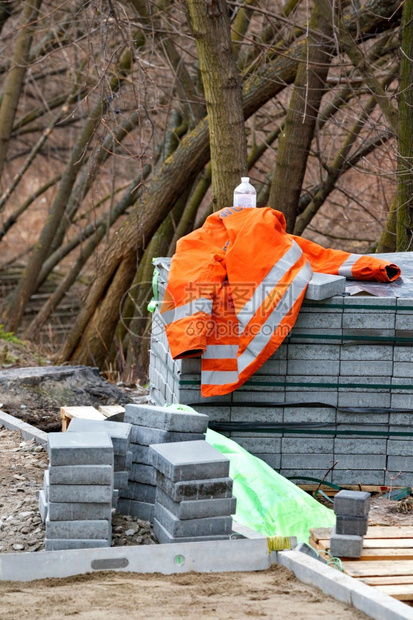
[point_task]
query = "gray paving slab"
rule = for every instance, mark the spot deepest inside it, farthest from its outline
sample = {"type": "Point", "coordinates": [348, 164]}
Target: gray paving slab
{"type": "Point", "coordinates": [73, 511]}
{"type": "Point", "coordinates": [55, 544]}
{"type": "Point", "coordinates": [352, 503]}
{"type": "Point", "coordinates": [115, 497]}
{"type": "Point", "coordinates": [140, 510]}
{"type": "Point", "coordinates": [208, 526]}
{"type": "Point", "coordinates": [119, 432]}
{"type": "Point", "coordinates": [146, 436]}
{"type": "Point", "coordinates": [197, 509]}
{"type": "Point", "coordinates": [165, 537]}
{"type": "Point", "coordinates": [323, 286]}
{"type": "Point", "coordinates": [195, 489]}
{"type": "Point", "coordinates": [81, 474]}
{"type": "Point", "coordinates": [146, 474]}
{"type": "Point", "coordinates": [140, 454]}
{"type": "Point", "coordinates": [123, 461]}
{"type": "Point", "coordinates": [120, 479]}
{"type": "Point", "coordinates": [79, 449]}
{"type": "Point", "coordinates": [80, 493]}
{"type": "Point", "coordinates": [140, 492]}
{"type": "Point", "coordinates": [85, 528]}
{"type": "Point", "coordinates": [166, 418]}
{"type": "Point", "coordinates": [345, 545]}
{"type": "Point", "coordinates": [351, 525]}
{"type": "Point", "coordinates": [27, 430]}
{"type": "Point", "coordinates": [189, 460]}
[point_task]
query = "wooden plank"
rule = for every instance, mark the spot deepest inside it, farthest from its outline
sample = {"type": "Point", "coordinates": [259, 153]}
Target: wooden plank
{"type": "Point", "coordinates": [87, 413]}
{"type": "Point", "coordinates": [401, 592]}
{"type": "Point", "coordinates": [382, 568]}
{"type": "Point", "coordinates": [109, 410]}
{"type": "Point", "coordinates": [369, 488]}
{"type": "Point", "coordinates": [390, 580]}
{"type": "Point", "coordinates": [373, 532]}
{"type": "Point", "coordinates": [377, 543]}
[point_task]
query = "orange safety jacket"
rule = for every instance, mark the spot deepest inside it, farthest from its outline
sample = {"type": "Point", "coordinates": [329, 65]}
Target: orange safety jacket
{"type": "Point", "coordinates": [235, 288]}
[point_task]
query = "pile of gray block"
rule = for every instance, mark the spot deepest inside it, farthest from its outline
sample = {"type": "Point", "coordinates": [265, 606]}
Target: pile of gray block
{"type": "Point", "coordinates": [343, 352]}
{"type": "Point", "coordinates": [194, 500]}
{"type": "Point", "coordinates": [153, 425]}
{"type": "Point", "coordinates": [120, 435]}
{"type": "Point", "coordinates": [76, 501]}
{"type": "Point", "coordinates": [351, 509]}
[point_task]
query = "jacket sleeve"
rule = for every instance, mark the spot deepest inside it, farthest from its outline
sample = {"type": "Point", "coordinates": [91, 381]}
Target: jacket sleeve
{"type": "Point", "coordinates": [356, 266]}
{"type": "Point", "coordinates": [196, 275]}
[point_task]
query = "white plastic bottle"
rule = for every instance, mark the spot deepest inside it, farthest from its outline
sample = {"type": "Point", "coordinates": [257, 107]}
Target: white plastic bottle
{"type": "Point", "coordinates": [245, 194]}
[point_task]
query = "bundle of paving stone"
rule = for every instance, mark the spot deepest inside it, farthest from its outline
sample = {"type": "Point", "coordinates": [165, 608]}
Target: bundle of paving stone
{"type": "Point", "coordinates": [153, 425]}
{"type": "Point", "coordinates": [194, 498]}
{"type": "Point", "coordinates": [351, 509]}
{"type": "Point", "coordinates": [76, 501]}
{"type": "Point", "coordinates": [120, 434]}
{"type": "Point", "coordinates": [344, 352]}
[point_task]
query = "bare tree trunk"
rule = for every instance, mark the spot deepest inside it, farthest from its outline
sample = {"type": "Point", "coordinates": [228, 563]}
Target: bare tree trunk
{"type": "Point", "coordinates": [404, 227]}
{"type": "Point", "coordinates": [300, 123]}
{"type": "Point", "coordinates": [15, 77]}
{"type": "Point", "coordinates": [211, 27]}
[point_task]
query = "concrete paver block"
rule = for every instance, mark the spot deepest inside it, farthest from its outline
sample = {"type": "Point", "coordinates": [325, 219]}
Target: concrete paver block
{"type": "Point", "coordinates": [56, 544]}
{"type": "Point", "coordinates": [322, 286]}
{"type": "Point", "coordinates": [195, 489]}
{"type": "Point", "coordinates": [351, 525]}
{"type": "Point", "coordinates": [120, 479]}
{"type": "Point", "coordinates": [199, 508]}
{"type": "Point", "coordinates": [79, 449]}
{"type": "Point", "coordinates": [208, 526]}
{"type": "Point", "coordinates": [190, 460]}
{"type": "Point", "coordinates": [146, 474]}
{"type": "Point", "coordinates": [123, 461]}
{"type": "Point", "coordinates": [345, 545]}
{"type": "Point", "coordinates": [78, 529]}
{"type": "Point", "coordinates": [72, 511]}
{"type": "Point", "coordinates": [80, 493]}
{"type": "Point", "coordinates": [139, 491]}
{"type": "Point", "coordinates": [166, 418]}
{"type": "Point", "coordinates": [119, 432]}
{"type": "Point", "coordinates": [145, 436]}
{"type": "Point", "coordinates": [163, 536]}
{"type": "Point", "coordinates": [81, 474]}
{"type": "Point", "coordinates": [140, 454]}
{"type": "Point", "coordinates": [352, 503]}
{"type": "Point", "coordinates": [140, 510]}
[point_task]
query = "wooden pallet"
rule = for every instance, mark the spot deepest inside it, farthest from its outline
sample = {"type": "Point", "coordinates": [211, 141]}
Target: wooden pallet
{"type": "Point", "coordinates": [89, 413]}
{"type": "Point", "coordinates": [386, 562]}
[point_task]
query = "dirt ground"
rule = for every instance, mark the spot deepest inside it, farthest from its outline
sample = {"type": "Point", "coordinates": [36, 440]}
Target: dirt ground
{"type": "Point", "coordinates": [275, 593]}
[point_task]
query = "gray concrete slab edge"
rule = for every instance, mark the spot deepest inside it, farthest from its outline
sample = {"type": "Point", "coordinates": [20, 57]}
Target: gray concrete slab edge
{"type": "Point", "coordinates": [344, 588]}
{"type": "Point", "coordinates": [27, 430]}
{"type": "Point", "coordinates": [202, 557]}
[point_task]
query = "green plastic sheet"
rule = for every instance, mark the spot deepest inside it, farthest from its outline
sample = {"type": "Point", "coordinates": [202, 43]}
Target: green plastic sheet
{"type": "Point", "coordinates": [266, 501]}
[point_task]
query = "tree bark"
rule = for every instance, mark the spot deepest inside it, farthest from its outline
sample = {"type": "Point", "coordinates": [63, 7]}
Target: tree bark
{"type": "Point", "coordinates": [301, 120]}
{"type": "Point", "coordinates": [211, 27]}
{"type": "Point", "coordinates": [15, 77]}
{"type": "Point", "coordinates": [404, 218]}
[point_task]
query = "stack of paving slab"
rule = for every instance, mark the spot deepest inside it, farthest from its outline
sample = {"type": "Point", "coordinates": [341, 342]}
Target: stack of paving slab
{"type": "Point", "coordinates": [120, 435]}
{"type": "Point", "coordinates": [76, 501]}
{"type": "Point", "coordinates": [351, 509]}
{"type": "Point", "coordinates": [153, 425]}
{"type": "Point", "coordinates": [344, 352]}
{"type": "Point", "coordinates": [194, 499]}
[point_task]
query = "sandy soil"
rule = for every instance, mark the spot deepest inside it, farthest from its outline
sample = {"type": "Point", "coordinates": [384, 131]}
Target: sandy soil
{"type": "Point", "coordinates": [275, 593]}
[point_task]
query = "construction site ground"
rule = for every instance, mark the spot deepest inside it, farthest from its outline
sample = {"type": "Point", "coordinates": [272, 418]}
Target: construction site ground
{"type": "Point", "coordinates": [273, 593]}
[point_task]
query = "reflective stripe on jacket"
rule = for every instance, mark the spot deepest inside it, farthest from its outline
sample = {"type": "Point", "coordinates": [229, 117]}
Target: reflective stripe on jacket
{"type": "Point", "coordinates": [235, 288]}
